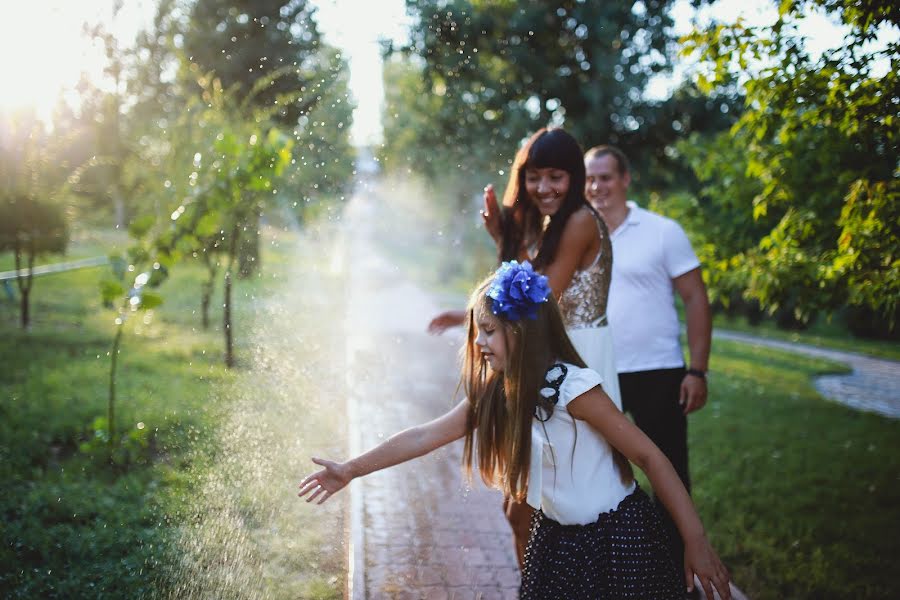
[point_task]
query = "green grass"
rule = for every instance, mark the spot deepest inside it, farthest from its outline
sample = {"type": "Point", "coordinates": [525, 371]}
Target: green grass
{"type": "Point", "coordinates": [799, 494]}
{"type": "Point", "coordinates": [822, 334]}
{"type": "Point", "coordinates": [83, 244]}
{"type": "Point", "coordinates": [75, 526]}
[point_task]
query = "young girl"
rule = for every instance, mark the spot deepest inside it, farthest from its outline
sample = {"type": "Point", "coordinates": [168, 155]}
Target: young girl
{"type": "Point", "coordinates": [538, 426]}
{"type": "Point", "coordinates": [548, 221]}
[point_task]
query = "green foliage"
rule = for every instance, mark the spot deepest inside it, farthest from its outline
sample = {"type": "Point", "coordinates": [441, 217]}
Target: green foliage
{"type": "Point", "coordinates": [134, 447]}
{"type": "Point", "coordinates": [807, 176]}
{"type": "Point", "coordinates": [578, 62]}
{"type": "Point", "coordinates": [137, 298]}
{"type": "Point", "coordinates": [322, 165]}
{"type": "Point", "coordinates": [32, 220]}
{"type": "Point", "coordinates": [226, 189]}
{"type": "Point", "coordinates": [484, 75]}
{"type": "Point", "coordinates": [243, 42]}
{"type": "Point", "coordinates": [421, 136]}
{"type": "Point", "coordinates": [73, 527]}
{"type": "Point", "coordinates": [30, 227]}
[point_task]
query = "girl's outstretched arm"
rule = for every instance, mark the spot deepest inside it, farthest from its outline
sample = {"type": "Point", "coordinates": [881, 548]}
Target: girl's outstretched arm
{"type": "Point", "coordinates": [595, 407]}
{"type": "Point", "coordinates": [400, 447]}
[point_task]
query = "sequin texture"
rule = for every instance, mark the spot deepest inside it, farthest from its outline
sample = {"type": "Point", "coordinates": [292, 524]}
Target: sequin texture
{"type": "Point", "coordinates": [583, 304]}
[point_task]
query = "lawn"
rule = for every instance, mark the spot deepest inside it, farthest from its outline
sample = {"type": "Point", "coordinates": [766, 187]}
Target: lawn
{"type": "Point", "coordinates": [822, 333]}
{"type": "Point", "coordinates": [201, 501]}
{"type": "Point", "coordinates": [799, 494]}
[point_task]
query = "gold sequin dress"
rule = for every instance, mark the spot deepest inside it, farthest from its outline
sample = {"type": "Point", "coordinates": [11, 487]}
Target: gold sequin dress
{"type": "Point", "coordinates": [583, 306]}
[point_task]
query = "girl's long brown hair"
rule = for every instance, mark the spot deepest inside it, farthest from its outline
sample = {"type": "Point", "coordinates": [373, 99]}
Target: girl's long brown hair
{"type": "Point", "coordinates": [502, 405]}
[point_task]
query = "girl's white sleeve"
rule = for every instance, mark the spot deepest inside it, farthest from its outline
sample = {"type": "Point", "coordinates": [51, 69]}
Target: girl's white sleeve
{"type": "Point", "coordinates": [577, 382]}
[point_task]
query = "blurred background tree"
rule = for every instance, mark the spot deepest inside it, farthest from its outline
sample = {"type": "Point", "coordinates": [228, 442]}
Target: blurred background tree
{"type": "Point", "coordinates": [246, 41]}
{"type": "Point", "coordinates": [504, 69]}
{"type": "Point", "coordinates": [32, 217]}
{"type": "Point", "coordinates": [798, 203]}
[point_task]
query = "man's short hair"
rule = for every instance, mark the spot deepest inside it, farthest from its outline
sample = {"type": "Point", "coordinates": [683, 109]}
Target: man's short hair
{"type": "Point", "coordinates": [621, 160]}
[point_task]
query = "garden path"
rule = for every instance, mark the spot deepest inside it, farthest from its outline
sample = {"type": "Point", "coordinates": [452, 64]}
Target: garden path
{"type": "Point", "coordinates": [873, 385]}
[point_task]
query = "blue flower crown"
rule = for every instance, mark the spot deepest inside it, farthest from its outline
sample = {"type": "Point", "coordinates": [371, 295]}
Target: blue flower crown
{"type": "Point", "coordinates": [517, 291]}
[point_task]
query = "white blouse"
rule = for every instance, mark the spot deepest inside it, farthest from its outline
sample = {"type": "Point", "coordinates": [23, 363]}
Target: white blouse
{"type": "Point", "coordinates": [572, 477]}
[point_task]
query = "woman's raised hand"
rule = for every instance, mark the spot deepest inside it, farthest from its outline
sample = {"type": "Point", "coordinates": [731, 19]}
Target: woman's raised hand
{"type": "Point", "coordinates": [490, 214]}
{"type": "Point", "coordinates": [446, 320]}
{"type": "Point", "coordinates": [701, 560]}
{"type": "Point", "coordinates": [325, 483]}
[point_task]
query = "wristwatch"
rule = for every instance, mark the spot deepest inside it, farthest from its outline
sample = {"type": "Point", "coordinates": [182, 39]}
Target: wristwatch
{"type": "Point", "coordinates": [696, 373]}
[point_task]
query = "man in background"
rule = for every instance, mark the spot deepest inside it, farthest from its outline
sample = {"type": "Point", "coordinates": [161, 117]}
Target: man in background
{"type": "Point", "coordinates": [652, 260]}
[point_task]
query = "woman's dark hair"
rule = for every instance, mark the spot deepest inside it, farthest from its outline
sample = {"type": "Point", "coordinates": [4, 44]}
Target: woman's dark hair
{"type": "Point", "coordinates": [522, 221]}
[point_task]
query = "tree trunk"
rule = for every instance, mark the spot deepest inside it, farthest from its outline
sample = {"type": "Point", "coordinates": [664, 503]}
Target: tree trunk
{"type": "Point", "coordinates": [226, 313]}
{"type": "Point", "coordinates": [205, 297]}
{"type": "Point", "coordinates": [25, 282]}
{"type": "Point", "coordinates": [24, 307]}
{"type": "Point", "coordinates": [111, 402]}
{"type": "Point", "coordinates": [206, 290]}
{"type": "Point", "coordinates": [248, 249]}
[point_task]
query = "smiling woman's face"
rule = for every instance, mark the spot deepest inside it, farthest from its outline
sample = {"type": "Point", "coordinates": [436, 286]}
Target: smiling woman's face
{"type": "Point", "coordinates": [547, 188]}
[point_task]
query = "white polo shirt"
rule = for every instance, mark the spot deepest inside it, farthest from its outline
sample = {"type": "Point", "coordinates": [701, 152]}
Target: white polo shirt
{"type": "Point", "coordinates": [649, 251]}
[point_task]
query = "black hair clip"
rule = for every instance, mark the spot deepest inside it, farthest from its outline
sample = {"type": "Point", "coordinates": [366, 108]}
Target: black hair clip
{"type": "Point", "coordinates": [550, 392]}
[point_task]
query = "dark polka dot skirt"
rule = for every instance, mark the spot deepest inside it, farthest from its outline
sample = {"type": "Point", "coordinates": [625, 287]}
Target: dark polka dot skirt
{"type": "Point", "coordinates": [622, 555]}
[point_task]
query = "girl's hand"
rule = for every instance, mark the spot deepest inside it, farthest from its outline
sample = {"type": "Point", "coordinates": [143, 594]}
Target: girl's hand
{"type": "Point", "coordinates": [701, 560]}
{"type": "Point", "coordinates": [325, 483]}
{"type": "Point", "coordinates": [491, 213]}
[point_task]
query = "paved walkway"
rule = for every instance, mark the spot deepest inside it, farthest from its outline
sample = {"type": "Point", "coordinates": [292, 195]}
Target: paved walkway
{"type": "Point", "coordinates": [417, 530]}
{"type": "Point", "coordinates": [874, 384]}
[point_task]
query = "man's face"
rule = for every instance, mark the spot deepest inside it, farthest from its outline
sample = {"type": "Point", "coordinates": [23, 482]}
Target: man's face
{"type": "Point", "coordinates": [605, 188]}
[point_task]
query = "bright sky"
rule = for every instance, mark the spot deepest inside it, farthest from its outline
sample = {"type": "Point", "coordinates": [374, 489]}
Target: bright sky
{"type": "Point", "coordinates": [43, 50]}
{"type": "Point", "coordinates": [357, 26]}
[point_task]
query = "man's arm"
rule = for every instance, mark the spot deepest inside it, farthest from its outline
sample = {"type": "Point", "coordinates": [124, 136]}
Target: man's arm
{"type": "Point", "coordinates": [692, 290]}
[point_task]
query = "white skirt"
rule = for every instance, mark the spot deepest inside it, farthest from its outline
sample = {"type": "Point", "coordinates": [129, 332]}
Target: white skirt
{"type": "Point", "coordinates": [595, 345]}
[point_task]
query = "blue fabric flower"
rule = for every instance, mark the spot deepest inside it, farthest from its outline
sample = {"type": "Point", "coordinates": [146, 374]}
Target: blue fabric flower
{"type": "Point", "coordinates": [517, 290]}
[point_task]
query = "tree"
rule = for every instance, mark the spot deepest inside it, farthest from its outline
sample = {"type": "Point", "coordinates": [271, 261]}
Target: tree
{"type": "Point", "coordinates": [131, 297]}
{"type": "Point", "coordinates": [32, 221]}
{"type": "Point", "coordinates": [246, 40]}
{"type": "Point", "coordinates": [504, 69]}
{"type": "Point", "coordinates": [277, 41]}
{"type": "Point", "coordinates": [422, 137]}
{"type": "Point", "coordinates": [227, 185]}
{"type": "Point", "coordinates": [819, 137]}
{"type": "Point", "coordinates": [324, 157]}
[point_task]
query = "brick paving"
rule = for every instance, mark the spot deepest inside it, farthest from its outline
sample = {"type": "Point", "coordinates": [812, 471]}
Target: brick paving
{"type": "Point", "coordinates": [873, 386]}
{"type": "Point", "coordinates": [419, 530]}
